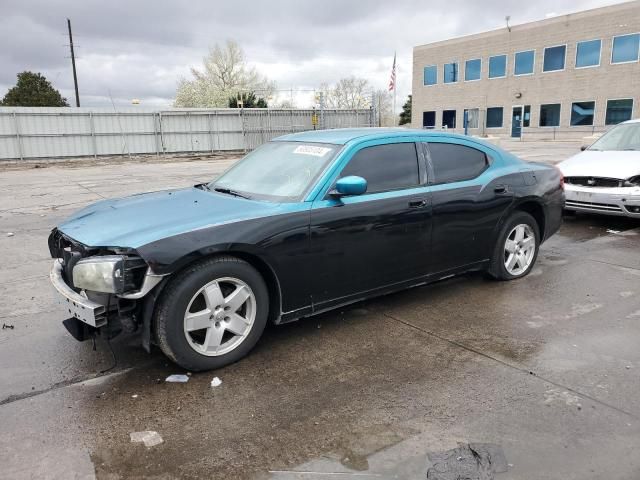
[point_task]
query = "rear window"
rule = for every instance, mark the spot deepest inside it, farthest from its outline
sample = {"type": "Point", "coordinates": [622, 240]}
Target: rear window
{"type": "Point", "coordinates": [455, 163]}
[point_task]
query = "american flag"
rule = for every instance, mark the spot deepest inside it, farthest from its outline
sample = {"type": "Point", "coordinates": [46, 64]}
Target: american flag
{"type": "Point", "coordinates": [392, 81]}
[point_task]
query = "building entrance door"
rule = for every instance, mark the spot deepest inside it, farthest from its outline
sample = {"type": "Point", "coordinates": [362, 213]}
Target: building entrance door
{"type": "Point", "coordinates": [516, 122]}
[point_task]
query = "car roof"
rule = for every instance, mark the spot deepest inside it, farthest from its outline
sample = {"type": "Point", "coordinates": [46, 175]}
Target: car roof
{"type": "Point", "coordinates": [634, 120]}
{"type": "Point", "coordinates": [341, 136]}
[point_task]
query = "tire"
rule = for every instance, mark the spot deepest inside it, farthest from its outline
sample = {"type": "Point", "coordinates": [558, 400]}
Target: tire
{"type": "Point", "coordinates": [196, 335]}
{"type": "Point", "coordinates": [525, 258]}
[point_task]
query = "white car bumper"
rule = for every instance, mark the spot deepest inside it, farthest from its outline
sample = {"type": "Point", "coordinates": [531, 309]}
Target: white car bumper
{"type": "Point", "coordinates": [621, 201]}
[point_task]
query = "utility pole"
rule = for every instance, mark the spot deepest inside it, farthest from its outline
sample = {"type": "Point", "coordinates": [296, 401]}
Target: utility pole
{"type": "Point", "coordinates": [73, 64]}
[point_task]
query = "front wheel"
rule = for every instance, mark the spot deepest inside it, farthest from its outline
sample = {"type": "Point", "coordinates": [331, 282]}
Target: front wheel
{"type": "Point", "coordinates": [517, 247]}
{"type": "Point", "coordinates": [212, 313]}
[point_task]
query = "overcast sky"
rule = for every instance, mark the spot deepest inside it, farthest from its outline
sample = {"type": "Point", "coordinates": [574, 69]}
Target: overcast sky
{"type": "Point", "coordinates": [140, 48]}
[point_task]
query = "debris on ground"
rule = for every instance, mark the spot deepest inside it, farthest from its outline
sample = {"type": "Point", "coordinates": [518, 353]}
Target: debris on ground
{"type": "Point", "coordinates": [10, 234]}
{"type": "Point", "coordinates": [557, 395]}
{"type": "Point", "coordinates": [613, 231]}
{"type": "Point", "coordinates": [177, 378]}
{"type": "Point", "coordinates": [148, 437]}
{"type": "Point", "coordinates": [134, 396]}
{"type": "Point", "coordinates": [473, 461]}
{"type": "Point", "coordinates": [216, 382]}
{"type": "Point", "coordinates": [6, 326]}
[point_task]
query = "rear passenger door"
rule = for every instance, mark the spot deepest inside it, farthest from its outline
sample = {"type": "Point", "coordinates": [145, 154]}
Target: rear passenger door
{"type": "Point", "coordinates": [468, 200]}
{"type": "Point", "coordinates": [364, 242]}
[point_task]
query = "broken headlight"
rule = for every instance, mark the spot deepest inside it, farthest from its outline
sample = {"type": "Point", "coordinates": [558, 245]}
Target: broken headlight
{"type": "Point", "coordinates": [109, 273]}
{"type": "Point", "coordinates": [632, 182]}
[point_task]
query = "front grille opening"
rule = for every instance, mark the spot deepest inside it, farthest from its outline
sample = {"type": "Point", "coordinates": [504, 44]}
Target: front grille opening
{"type": "Point", "coordinates": [594, 181]}
{"type": "Point", "coordinates": [602, 207]}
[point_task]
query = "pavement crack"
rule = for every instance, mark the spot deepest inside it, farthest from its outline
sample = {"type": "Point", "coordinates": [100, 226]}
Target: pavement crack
{"type": "Point", "coordinates": [509, 365]}
{"type": "Point", "coordinates": [612, 264]}
{"type": "Point", "coordinates": [64, 383]}
{"type": "Point", "coordinates": [90, 190]}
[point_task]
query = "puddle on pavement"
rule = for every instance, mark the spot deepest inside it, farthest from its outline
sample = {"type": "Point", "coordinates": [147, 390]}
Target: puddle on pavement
{"type": "Point", "coordinates": [583, 227]}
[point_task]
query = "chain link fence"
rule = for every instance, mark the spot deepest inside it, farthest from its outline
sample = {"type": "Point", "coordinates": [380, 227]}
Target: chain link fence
{"type": "Point", "coordinates": [32, 133]}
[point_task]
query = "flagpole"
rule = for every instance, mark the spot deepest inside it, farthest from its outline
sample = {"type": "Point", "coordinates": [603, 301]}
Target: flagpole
{"type": "Point", "coordinates": [393, 86]}
{"type": "Point", "coordinates": [395, 89]}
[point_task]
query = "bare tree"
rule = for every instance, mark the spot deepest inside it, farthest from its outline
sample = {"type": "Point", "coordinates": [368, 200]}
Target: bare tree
{"type": "Point", "coordinates": [350, 92]}
{"type": "Point", "coordinates": [383, 105]}
{"type": "Point", "coordinates": [224, 74]}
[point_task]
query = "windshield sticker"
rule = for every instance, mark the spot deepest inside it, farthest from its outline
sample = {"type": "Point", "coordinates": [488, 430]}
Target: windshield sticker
{"type": "Point", "coordinates": [312, 150]}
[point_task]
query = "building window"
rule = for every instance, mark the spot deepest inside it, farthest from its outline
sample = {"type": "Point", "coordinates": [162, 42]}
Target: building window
{"type": "Point", "coordinates": [472, 115]}
{"type": "Point", "coordinates": [554, 58]}
{"type": "Point", "coordinates": [625, 48]}
{"type": "Point", "coordinates": [588, 53]}
{"type": "Point", "coordinates": [450, 72]}
{"type": "Point", "coordinates": [494, 117]}
{"type": "Point", "coordinates": [618, 111]}
{"type": "Point", "coordinates": [550, 115]}
{"type": "Point", "coordinates": [582, 113]}
{"type": "Point", "coordinates": [472, 69]}
{"type": "Point", "coordinates": [448, 119]}
{"type": "Point", "coordinates": [498, 66]}
{"type": "Point", "coordinates": [430, 75]}
{"type": "Point", "coordinates": [526, 117]}
{"type": "Point", "coordinates": [524, 62]}
{"type": "Point", "coordinates": [429, 119]}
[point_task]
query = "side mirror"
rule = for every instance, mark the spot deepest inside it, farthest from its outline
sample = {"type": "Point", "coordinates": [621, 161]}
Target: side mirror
{"type": "Point", "coordinates": [351, 185]}
{"type": "Point", "coordinates": [583, 148]}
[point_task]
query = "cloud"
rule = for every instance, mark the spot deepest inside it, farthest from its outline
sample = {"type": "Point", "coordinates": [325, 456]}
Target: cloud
{"type": "Point", "coordinates": [139, 49]}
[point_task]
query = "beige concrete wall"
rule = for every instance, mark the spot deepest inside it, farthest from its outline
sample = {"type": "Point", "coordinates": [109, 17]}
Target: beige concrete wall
{"type": "Point", "coordinates": [607, 81]}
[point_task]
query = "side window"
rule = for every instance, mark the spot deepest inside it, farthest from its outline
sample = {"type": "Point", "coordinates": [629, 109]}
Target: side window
{"type": "Point", "coordinates": [385, 167]}
{"type": "Point", "coordinates": [455, 163]}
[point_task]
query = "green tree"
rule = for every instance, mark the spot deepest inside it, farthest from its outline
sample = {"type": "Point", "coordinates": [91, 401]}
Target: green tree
{"type": "Point", "coordinates": [33, 90]}
{"type": "Point", "coordinates": [405, 115]}
{"type": "Point", "coordinates": [249, 100]}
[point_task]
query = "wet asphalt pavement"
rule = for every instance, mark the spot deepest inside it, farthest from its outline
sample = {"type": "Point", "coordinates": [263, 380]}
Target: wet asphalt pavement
{"type": "Point", "coordinates": [547, 368]}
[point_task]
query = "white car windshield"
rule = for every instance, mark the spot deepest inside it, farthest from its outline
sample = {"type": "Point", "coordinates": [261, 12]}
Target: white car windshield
{"type": "Point", "coordinates": [625, 136]}
{"type": "Point", "coordinates": [276, 171]}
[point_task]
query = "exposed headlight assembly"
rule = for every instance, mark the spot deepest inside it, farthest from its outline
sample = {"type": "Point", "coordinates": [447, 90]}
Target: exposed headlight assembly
{"type": "Point", "coordinates": [109, 273]}
{"type": "Point", "coordinates": [632, 182]}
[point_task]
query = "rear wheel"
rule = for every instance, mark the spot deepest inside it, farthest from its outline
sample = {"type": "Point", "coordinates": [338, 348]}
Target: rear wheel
{"type": "Point", "coordinates": [517, 247]}
{"type": "Point", "coordinates": [212, 313]}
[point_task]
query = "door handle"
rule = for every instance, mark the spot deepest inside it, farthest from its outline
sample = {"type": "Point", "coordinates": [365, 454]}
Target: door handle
{"type": "Point", "coordinates": [501, 189]}
{"type": "Point", "coordinates": [417, 203]}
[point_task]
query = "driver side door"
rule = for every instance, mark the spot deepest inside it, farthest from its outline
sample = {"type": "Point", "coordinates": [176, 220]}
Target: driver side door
{"type": "Point", "coordinates": [378, 239]}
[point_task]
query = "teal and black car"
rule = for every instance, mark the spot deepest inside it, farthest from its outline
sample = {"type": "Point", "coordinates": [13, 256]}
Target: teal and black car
{"type": "Point", "coordinates": [303, 224]}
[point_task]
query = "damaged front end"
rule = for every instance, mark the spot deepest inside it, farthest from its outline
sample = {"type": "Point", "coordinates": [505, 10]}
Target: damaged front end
{"type": "Point", "coordinates": [103, 289]}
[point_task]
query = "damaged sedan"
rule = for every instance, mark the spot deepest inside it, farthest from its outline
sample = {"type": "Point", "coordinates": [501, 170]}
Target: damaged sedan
{"type": "Point", "coordinates": [303, 224]}
{"type": "Point", "coordinates": [605, 177]}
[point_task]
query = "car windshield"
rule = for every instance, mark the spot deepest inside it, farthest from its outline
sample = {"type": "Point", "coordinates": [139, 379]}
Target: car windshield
{"type": "Point", "coordinates": [276, 171]}
{"type": "Point", "coordinates": [623, 137]}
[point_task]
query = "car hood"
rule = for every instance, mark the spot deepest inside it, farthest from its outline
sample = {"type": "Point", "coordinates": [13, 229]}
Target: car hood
{"type": "Point", "coordinates": [610, 164]}
{"type": "Point", "coordinates": [141, 219]}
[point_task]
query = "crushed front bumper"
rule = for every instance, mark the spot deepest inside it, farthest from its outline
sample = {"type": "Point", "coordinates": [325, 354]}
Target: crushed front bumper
{"type": "Point", "coordinates": [76, 305]}
{"type": "Point", "coordinates": [621, 201]}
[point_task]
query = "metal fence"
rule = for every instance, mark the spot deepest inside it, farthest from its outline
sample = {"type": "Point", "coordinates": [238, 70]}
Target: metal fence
{"type": "Point", "coordinates": [31, 133]}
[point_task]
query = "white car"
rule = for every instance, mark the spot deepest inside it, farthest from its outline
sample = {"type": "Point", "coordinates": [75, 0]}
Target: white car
{"type": "Point", "coordinates": [605, 177]}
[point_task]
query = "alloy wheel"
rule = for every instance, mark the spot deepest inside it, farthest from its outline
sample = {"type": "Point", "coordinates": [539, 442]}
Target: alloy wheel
{"type": "Point", "coordinates": [519, 249]}
{"type": "Point", "coordinates": [220, 316]}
